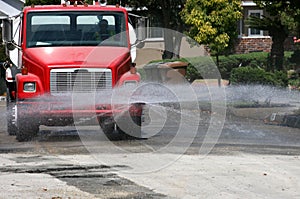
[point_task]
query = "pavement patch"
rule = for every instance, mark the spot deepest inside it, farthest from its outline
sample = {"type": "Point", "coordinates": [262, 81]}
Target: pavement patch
{"type": "Point", "coordinates": [100, 181]}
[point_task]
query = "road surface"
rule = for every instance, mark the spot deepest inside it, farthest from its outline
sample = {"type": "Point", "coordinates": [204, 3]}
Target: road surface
{"type": "Point", "coordinates": [250, 159]}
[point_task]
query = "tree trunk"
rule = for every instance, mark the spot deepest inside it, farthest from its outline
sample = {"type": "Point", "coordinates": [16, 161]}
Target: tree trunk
{"type": "Point", "coordinates": [169, 44]}
{"type": "Point", "coordinates": [177, 41]}
{"type": "Point", "coordinates": [177, 45]}
{"type": "Point", "coordinates": [172, 37]}
{"type": "Point", "coordinates": [277, 51]}
{"type": "Point", "coordinates": [171, 20]}
{"type": "Point", "coordinates": [218, 64]}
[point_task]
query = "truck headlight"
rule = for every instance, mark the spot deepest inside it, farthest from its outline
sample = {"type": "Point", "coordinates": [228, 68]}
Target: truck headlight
{"type": "Point", "coordinates": [29, 87]}
{"type": "Point", "coordinates": [130, 83]}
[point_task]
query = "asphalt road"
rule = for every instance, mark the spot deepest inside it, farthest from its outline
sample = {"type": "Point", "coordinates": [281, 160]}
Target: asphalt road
{"type": "Point", "coordinates": [64, 153]}
{"type": "Point", "coordinates": [243, 130]}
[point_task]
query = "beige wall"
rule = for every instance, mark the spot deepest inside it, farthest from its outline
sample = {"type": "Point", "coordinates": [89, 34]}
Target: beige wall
{"type": "Point", "coordinates": [153, 51]}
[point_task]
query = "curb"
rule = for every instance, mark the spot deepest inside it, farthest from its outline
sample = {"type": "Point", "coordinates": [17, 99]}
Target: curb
{"type": "Point", "coordinates": [271, 116]}
{"type": "Point", "coordinates": [292, 121]}
{"type": "Point", "coordinates": [283, 119]}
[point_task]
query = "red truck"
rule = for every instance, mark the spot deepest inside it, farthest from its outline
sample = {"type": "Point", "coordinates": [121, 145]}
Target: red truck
{"type": "Point", "coordinates": [61, 50]}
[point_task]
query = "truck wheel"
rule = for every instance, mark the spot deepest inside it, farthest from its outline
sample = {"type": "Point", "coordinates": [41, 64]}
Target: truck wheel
{"type": "Point", "coordinates": [106, 125]}
{"type": "Point", "coordinates": [26, 129]}
{"type": "Point", "coordinates": [27, 126]}
{"type": "Point", "coordinates": [131, 131]}
{"type": "Point", "coordinates": [11, 121]}
{"type": "Point", "coordinates": [11, 117]}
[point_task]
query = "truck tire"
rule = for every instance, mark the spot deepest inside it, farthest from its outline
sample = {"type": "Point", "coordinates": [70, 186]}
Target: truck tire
{"type": "Point", "coordinates": [27, 127]}
{"type": "Point", "coordinates": [106, 125]}
{"type": "Point", "coordinates": [11, 126]}
{"type": "Point", "coordinates": [11, 116]}
{"type": "Point", "coordinates": [132, 131]}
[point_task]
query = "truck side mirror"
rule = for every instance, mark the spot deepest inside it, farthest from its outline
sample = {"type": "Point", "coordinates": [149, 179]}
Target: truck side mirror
{"type": "Point", "coordinates": [141, 29]}
{"type": "Point", "coordinates": [7, 33]}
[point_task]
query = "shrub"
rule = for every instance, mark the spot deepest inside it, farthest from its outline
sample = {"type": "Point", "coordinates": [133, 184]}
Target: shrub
{"type": "Point", "coordinates": [228, 63]}
{"type": "Point", "coordinates": [205, 66]}
{"type": "Point", "coordinates": [293, 80]}
{"type": "Point", "coordinates": [250, 75]}
{"type": "Point", "coordinates": [295, 57]}
{"type": "Point", "coordinates": [281, 79]}
{"type": "Point", "coordinates": [200, 68]}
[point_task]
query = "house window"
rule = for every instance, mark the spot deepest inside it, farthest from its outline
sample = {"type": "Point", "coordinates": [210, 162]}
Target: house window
{"type": "Point", "coordinates": [240, 26]}
{"type": "Point", "coordinates": [253, 31]}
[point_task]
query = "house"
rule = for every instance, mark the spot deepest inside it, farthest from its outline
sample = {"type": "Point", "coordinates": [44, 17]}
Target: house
{"type": "Point", "coordinates": [250, 39]}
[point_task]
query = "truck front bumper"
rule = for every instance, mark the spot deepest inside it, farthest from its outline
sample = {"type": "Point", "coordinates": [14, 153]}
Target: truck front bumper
{"type": "Point", "coordinates": [55, 113]}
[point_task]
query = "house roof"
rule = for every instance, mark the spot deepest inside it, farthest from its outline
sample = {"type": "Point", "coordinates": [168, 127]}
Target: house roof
{"type": "Point", "coordinates": [10, 8]}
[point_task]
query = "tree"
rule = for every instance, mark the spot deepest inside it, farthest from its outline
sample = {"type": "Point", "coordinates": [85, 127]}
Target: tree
{"type": "Point", "coordinates": [280, 22]}
{"type": "Point", "coordinates": [213, 22]}
{"type": "Point", "coordinates": [168, 11]}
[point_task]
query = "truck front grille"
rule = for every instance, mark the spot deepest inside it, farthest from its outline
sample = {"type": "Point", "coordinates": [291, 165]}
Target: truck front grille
{"type": "Point", "coordinates": [80, 80]}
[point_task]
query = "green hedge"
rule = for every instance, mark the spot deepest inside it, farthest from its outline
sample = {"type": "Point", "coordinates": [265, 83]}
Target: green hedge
{"type": "Point", "coordinates": [255, 59]}
{"type": "Point", "coordinates": [230, 62]}
{"type": "Point", "coordinates": [251, 75]}
{"type": "Point", "coordinates": [205, 66]}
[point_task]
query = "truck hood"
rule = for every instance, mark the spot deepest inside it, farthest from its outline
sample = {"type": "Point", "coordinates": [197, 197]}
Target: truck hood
{"type": "Point", "coordinates": [89, 56]}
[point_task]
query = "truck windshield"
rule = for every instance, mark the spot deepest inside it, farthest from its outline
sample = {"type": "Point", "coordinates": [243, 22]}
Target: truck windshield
{"type": "Point", "coordinates": [76, 29]}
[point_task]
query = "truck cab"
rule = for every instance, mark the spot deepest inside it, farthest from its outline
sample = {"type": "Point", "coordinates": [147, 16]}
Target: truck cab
{"type": "Point", "coordinates": [66, 49]}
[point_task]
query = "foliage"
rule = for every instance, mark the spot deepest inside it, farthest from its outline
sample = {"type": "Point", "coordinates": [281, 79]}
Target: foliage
{"type": "Point", "coordinates": [294, 83]}
{"type": "Point", "coordinates": [228, 63]}
{"type": "Point", "coordinates": [204, 67]}
{"type": "Point", "coordinates": [255, 59]}
{"type": "Point", "coordinates": [282, 20]}
{"type": "Point", "coordinates": [250, 75]}
{"type": "Point", "coordinates": [212, 22]}
{"type": "Point", "coordinates": [167, 12]}
{"type": "Point", "coordinates": [295, 58]}
{"type": "Point", "coordinates": [294, 80]}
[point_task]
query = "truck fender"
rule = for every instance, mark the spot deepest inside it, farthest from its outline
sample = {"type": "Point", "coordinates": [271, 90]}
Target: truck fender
{"type": "Point", "coordinates": [129, 77]}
